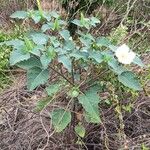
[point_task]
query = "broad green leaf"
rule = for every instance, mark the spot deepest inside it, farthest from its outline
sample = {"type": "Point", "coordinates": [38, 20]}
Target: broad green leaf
{"type": "Point", "coordinates": [41, 104]}
{"type": "Point", "coordinates": [17, 56]}
{"type": "Point", "coordinates": [51, 52]}
{"type": "Point", "coordinates": [80, 130]}
{"type": "Point", "coordinates": [69, 46]}
{"type": "Point", "coordinates": [102, 41]}
{"type": "Point", "coordinates": [54, 41]}
{"type": "Point", "coordinates": [39, 38]}
{"type": "Point", "coordinates": [95, 20]}
{"type": "Point", "coordinates": [96, 55]}
{"type": "Point", "coordinates": [35, 77]}
{"type": "Point", "coordinates": [19, 15]}
{"type": "Point", "coordinates": [107, 56]}
{"type": "Point", "coordinates": [36, 16]}
{"type": "Point", "coordinates": [45, 60]}
{"type": "Point", "coordinates": [112, 47]}
{"type": "Point", "coordinates": [30, 63]}
{"type": "Point", "coordinates": [47, 16]}
{"type": "Point", "coordinates": [47, 26]}
{"type": "Point", "coordinates": [65, 34]}
{"type": "Point", "coordinates": [60, 119]}
{"type": "Point", "coordinates": [37, 50]}
{"type": "Point", "coordinates": [118, 69]}
{"type": "Point", "coordinates": [29, 44]}
{"type": "Point", "coordinates": [79, 55]}
{"type": "Point", "coordinates": [53, 89]}
{"type": "Point", "coordinates": [55, 14]}
{"type": "Point", "coordinates": [89, 36]}
{"type": "Point", "coordinates": [90, 102]}
{"type": "Point", "coordinates": [138, 61]}
{"type": "Point", "coordinates": [129, 80]}
{"type": "Point", "coordinates": [15, 43]}
{"type": "Point", "coordinates": [85, 41]}
{"type": "Point", "coordinates": [77, 22]}
{"type": "Point", "coordinates": [65, 61]}
{"type": "Point", "coordinates": [62, 22]}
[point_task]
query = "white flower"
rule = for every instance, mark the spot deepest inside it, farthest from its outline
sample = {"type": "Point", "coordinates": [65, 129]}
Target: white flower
{"type": "Point", "coordinates": [124, 54]}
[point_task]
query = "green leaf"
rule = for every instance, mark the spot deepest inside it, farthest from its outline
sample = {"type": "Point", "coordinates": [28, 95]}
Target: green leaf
{"type": "Point", "coordinates": [65, 61]}
{"type": "Point", "coordinates": [56, 25]}
{"type": "Point", "coordinates": [90, 102]}
{"type": "Point", "coordinates": [15, 43]}
{"type": "Point", "coordinates": [53, 89]}
{"type": "Point", "coordinates": [45, 60]}
{"type": "Point", "coordinates": [102, 41]}
{"type": "Point", "coordinates": [77, 22]}
{"type": "Point", "coordinates": [62, 22]}
{"type": "Point", "coordinates": [85, 41]}
{"type": "Point", "coordinates": [17, 56]}
{"type": "Point", "coordinates": [28, 43]}
{"type": "Point", "coordinates": [36, 16]}
{"type": "Point", "coordinates": [54, 41]}
{"type": "Point", "coordinates": [107, 55]}
{"type": "Point", "coordinates": [35, 77]}
{"type": "Point", "coordinates": [79, 55]}
{"type": "Point", "coordinates": [96, 55]}
{"type": "Point", "coordinates": [37, 50]}
{"type": "Point", "coordinates": [19, 15]}
{"type": "Point", "coordinates": [46, 27]}
{"type": "Point", "coordinates": [30, 63]}
{"type": "Point", "coordinates": [69, 46]}
{"type": "Point", "coordinates": [80, 130]}
{"type": "Point", "coordinates": [55, 14]}
{"type": "Point", "coordinates": [112, 47]}
{"type": "Point", "coordinates": [129, 80]}
{"type": "Point", "coordinates": [85, 21]}
{"type": "Point", "coordinates": [138, 61]}
{"type": "Point", "coordinates": [41, 104]}
{"type": "Point", "coordinates": [60, 119]}
{"type": "Point", "coordinates": [118, 69]}
{"type": "Point", "coordinates": [94, 21]}
{"type": "Point", "coordinates": [47, 16]}
{"type": "Point", "coordinates": [65, 34]}
{"type": "Point", "coordinates": [39, 38]}
{"type": "Point", "coordinates": [51, 52]}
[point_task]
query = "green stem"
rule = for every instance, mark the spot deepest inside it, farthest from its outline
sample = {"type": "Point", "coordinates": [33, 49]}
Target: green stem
{"type": "Point", "coordinates": [39, 7]}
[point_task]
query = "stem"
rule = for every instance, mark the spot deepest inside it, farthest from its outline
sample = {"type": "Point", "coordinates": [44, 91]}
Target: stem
{"type": "Point", "coordinates": [95, 78]}
{"type": "Point", "coordinates": [62, 75]}
{"type": "Point", "coordinates": [74, 103]}
{"type": "Point", "coordinates": [39, 7]}
{"type": "Point", "coordinates": [72, 71]}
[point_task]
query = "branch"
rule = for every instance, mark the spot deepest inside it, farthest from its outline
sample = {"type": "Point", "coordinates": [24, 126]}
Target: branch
{"type": "Point", "coordinates": [61, 75]}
